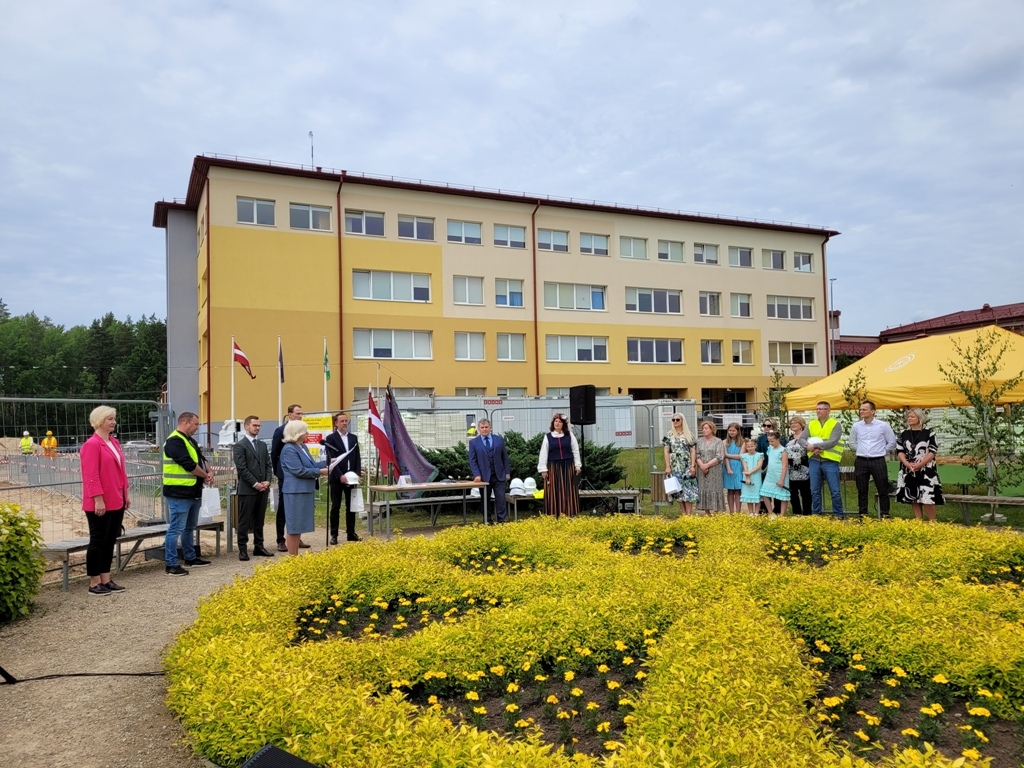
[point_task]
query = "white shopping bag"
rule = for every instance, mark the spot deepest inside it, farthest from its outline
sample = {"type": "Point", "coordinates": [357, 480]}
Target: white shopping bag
{"type": "Point", "coordinates": [672, 485]}
{"type": "Point", "coordinates": [210, 505]}
{"type": "Point", "coordinates": [357, 500]}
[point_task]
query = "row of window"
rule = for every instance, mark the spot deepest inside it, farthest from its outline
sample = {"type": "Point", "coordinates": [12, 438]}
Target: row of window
{"type": "Point", "coordinates": [405, 286]}
{"type": "Point", "coordinates": [511, 347]}
{"type": "Point", "coordinates": [313, 217]}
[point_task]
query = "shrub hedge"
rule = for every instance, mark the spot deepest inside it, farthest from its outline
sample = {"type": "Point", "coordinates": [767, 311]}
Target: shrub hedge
{"type": "Point", "coordinates": [21, 561]}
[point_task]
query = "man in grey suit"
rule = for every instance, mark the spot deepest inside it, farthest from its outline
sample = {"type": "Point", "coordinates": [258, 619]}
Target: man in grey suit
{"type": "Point", "coordinates": [252, 461]}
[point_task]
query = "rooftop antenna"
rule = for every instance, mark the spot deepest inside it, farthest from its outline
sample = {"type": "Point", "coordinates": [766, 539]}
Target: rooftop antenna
{"type": "Point", "coordinates": [311, 163]}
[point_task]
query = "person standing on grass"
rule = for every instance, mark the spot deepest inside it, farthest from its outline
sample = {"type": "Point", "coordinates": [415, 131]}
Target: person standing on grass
{"type": "Point", "coordinates": [104, 498]}
{"type": "Point", "coordinates": [821, 444]}
{"type": "Point", "coordinates": [560, 464]}
{"type": "Point", "coordinates": [185, 474]}
{"type": "Point", "coordinates": [488, 463]}
{"type": "Point", "coordinates": [871, 439]}
{"type": "Point", "coordinates": [918, 483]}
{"type": "Point", "coordinates": [710, 457]}
{"type": "Point", "coordinates": [681, 463]}
{"type": "Point", "coordinates": [750, 494]}
{"type": "Point", "coordinates": [799, 473]}
{"type": "Point", "coordinates": [733, 466]}
{"type": "Point", "coordinates": [775, 484]}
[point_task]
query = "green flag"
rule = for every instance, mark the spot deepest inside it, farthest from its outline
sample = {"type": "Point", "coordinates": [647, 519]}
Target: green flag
{"type": "Point", "coordinates": [327, 365]}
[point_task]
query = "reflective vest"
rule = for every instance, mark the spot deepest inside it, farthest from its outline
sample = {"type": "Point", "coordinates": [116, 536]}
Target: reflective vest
{"type": "Point", "coordinates": [49, 442]}
{"type": "Point", "coordinates": [824, 431]}
{"type": "Point", "coordinates": [174, 473]}
{"type": "Point", "coordinates": [26, 445]}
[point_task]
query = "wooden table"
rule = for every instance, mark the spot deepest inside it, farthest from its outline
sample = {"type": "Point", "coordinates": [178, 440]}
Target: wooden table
{"type": "Point", "coordinates": [388, 490]}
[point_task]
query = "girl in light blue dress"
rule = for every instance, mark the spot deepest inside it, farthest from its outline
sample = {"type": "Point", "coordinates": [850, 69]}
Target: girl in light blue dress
{"type": "Point", "coordinates": [776, 480]}
{"type": "Point", "coordinates": [750, 488]}
{"type": "Point", "coordinates": [733, 474]}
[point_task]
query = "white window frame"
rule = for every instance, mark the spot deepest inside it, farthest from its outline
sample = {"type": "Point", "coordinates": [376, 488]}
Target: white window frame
{"type": "Point", "coordinates": [573, 346]}
{"type": "Point", "coordinates": [511, 391]}
{"type": "Point", "coordinates": [256, 206]}
{"type": "Point", "coordinates": [706, 299]}
{"type": "Point", "coordinates": [651, 295]}
{"type": "Point", "coordinates": [420, 343]}
{"type": "Point", "coordinates": [509, 241]}
{"type": "Point", "coordinates": [708, 348]}
{"type": "Point", "coordinates": [742, 348]}
{"type": "Point", "coordinates": [470, 346]}
{"type": "Point", "coordinates": [376, 280]}
{"type": "Point", "coordinates": [805, 304]}
{"type": "Point", "coordinates": [779, 349]}
{"type": "Point", "coordinates": [803, 262]}
{"type": "Point", "coordinates": [556, 391]}
{"type": "Point", "coordinates": [509, 345]}
{"type": "Point", "coordinates": [363, 218]}
{"type": "Point", "coordinates": [591, 243]}
{"type": "Point", "coordinates": [736, 304]}
{"type": "Point", "coordinates": [470, 391]}
{"type": "Point", "coordinates": [575, 296]}
{"type": "Point", "coordinates": [466, 288]}
{"type": "Point", "coordinates": [653, 348]}
{"type": "Point", "coordinates": [737, 254]}
{"type": "Point", "coordinates": [459, 229]}
{"type": "Point", "coordinates": [705, 253]}
{"type": "Point", "coordinates": [556, 240]}
{"type": "Point", "coordinates": [633, 247]}
{"type": "Point", "coordinates": [314, 213]}
{"type": "Point", "coordinates": [773, 259]}
{"type": "Point", "coordinates": [504, 291]}
{"type": "Point", "coordinates": [671, 250]}
{"type": "Point", "coordinates": [419, 227]}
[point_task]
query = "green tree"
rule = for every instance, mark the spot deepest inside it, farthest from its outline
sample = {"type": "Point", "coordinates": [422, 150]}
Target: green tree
{"type": "Point", "coordinates": [988, 430]}
{"type": "Point", "coordinates": [855, 392]}
{"type": "Point", "coordinates": [777, 390]}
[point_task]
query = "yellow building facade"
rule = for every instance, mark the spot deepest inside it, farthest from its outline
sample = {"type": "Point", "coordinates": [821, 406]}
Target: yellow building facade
{"type": "Point", "coordinates": [452, 291]}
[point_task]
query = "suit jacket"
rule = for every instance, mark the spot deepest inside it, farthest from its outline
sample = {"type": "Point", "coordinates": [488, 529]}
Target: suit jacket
{"type": "Point", "coordinates": [300, 470]}
{"type": "Point", "coordinates": [276, 443]}
{"type": "Point", "coordinates": [480, 462]}
{"type": "Point", "coordinates": [103, 475]}
{"type": "Point", "coordinates": [336, 444]}
{"type": "Point", "coordinates": [252, 464]}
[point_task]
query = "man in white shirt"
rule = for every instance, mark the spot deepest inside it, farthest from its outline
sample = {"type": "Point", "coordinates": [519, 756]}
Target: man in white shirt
{"type": "Point", "coordinates": [871, 439]}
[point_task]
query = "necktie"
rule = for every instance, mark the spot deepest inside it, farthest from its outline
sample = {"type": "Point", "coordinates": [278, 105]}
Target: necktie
{"type": "Point", "coordinates": [487, 442]}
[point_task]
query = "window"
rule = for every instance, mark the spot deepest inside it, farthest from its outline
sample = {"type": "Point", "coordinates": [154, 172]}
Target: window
{"type": "Point", "coordinates": [773, 259]}
{"type": "Point", "coordinates": [654, 350]}
{"type": "Point", "coordinates": [508, 293]}
{"type": "Point", "coordinates": [469, 346]}
{"type": "Point", "coordinates": [790, 308]}
{"type": "Point", "coordinates": [670, 250]}
{"type": "Point", "coordinates": [309, 217]}
{"type": "Point", "coordinates": [397, 345]}
{"type": "Point", "coordinates": [576, 349]}
{"type": "Point", "coordinates": [740, 304]}
{"type": "Point", "coordinates": [415, 228]}
{"type": "Point", "coordinates": [790, 353]}
{"type": "Point", "coordinates": [252, 211]}
{"type": "Point", "coordinates": [654, 300]}
{"type": "Point", "coordinates": [801, 262]}
{"type": "Point", "coordinates": [705, 254]}
{"type": "Point", "coordinates": [463, 232]}
{"type": "Point", "coordinates": [556, 392]}
{"type": "Point", "coordinates": [511, 391]}
{"type": "Point", "coordinates": [742, 353]}
{"type": "Point", "coordinates": [595, 244]}
{"type": "Point", "coordinates": [632, 248]}
{"type": "Point", "coordinates": [711, 351]}
{"type": "Point", "coordinates": [359, 393]}
{"type": "Point", "coordinates": [512, 346]}
{"type": "Point", "coordinates": [509, 237]}
{"type": "Point", "coordinates": [390, 286]}
{"type": "Point", "coordinates": [571, 296]}
{"type": "Point", "coordinates": [740, 257]}
{"type": "Point", "coordinates": [364, 223]}
{"type": "Point", "coordinates": [552, 240]}
{"type": "Point", "coordinates": [468, 290]}
{"type": "Point", "coordinates": [470, 391]}
{"type": "Point", "coordinates": [710, 303]}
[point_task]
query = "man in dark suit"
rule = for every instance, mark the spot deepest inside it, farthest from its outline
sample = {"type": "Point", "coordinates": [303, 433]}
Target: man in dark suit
{"type": "Point", "coordinates": [252, 462]}
{"type": "Point", "coordinates": [338, 443]}
{"type": "Point", "coordinates": [488, 461]}
{"type": "Point", "coordinates": [294, 414]}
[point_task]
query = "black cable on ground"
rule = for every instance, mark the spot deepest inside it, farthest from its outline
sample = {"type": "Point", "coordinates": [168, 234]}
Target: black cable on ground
{"type": "Point", "coordinates": [9, 679]}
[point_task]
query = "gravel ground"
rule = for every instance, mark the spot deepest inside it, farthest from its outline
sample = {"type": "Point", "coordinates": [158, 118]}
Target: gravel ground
{"type": "Point", "coordinates": [104, 722]}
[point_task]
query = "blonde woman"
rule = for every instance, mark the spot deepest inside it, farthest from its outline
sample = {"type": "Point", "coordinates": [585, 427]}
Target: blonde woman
{"type": "Point", "coordinates": [799, 468]}
{"type": "Point", "coordinates": [918, 482]}
{"type": "Point", "coordinates": [681, 463]}
{"type": "Point", "coordinates": [301, 475]}
{"type": "Point", "coordinates": [710, 458]}
{"type": "Point", "coordinates": [104, 498]}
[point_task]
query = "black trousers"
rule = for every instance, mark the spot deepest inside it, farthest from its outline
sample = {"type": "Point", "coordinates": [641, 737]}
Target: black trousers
{"type": "Point", "coordinates": [252, 513]}
{"type": "Point", "coordinates": [103, 532]}
{"type": "Point", "coordinates": [800, 496]}
{"type": "Point", "coordinates": [866, 469]}
{"type": "Point", "coordinates": [338, 490]}
{"type": "Point", "coordinates": [280, 513]}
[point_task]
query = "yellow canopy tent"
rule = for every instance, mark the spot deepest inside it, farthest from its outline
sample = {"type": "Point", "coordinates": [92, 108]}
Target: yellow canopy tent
{"type": "Point", "coordinates": [907, 373]}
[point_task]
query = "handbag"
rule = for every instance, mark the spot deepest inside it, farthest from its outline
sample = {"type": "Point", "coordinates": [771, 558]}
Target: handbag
{"type": "Point", "coordinates": [672, 485]}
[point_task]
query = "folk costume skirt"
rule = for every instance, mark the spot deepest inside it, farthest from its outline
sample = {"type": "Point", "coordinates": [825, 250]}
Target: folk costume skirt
{"type": "Point", "coordinates": [561, 496]}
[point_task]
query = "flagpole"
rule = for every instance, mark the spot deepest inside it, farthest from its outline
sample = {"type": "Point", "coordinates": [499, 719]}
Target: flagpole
{"type": "Point", "coordinates": [280, 407]}
{"type": "Point", "coordinates": [325, 373]}
{"type": "Point", "coordinates": [232, 383]}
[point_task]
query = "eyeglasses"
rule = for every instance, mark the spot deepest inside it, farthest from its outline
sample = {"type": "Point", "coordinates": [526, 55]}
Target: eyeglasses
{"type": "Point", "coordinates": [767, 424]}
{"type": "Point", "coordinates": [677, 421]}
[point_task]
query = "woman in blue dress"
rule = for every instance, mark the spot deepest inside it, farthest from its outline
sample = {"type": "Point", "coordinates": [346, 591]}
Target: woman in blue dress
{"type": "Point", "coordinates": [733, 476]}
{"type": "Point", "coordinates": [776, 478]}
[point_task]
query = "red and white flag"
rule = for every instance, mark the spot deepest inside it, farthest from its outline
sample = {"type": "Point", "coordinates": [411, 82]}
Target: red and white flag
{"type": "Point", "coordinates": [380, 439]}
{"type": "Point", "coordinates": [242, 359]}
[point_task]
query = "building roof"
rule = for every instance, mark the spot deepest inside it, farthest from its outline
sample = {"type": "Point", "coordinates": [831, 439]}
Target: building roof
{"type": "Point", "coordinates": [843, 346]}
{"type": "Point", "coordinates": [202, 164]}
{"type": "Point", "coordinates": [1010, 316]}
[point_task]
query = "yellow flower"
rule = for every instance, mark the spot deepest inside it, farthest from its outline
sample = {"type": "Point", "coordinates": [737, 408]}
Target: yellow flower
{"type": "Point", "coordinates": [850, 687]}
{"type": "Point", "coordinates": [832, 701]}
{"type": "Point", "coordinates": [603, 669]}
{"type": "Point", "coordinates": [480, 710]}
{"type": "Point", "coordinates": [512, 688]}
{"type": "Point", "coordinates": [940, 679]}
{"type": "Point", "coordinates": [910, 732]}
{"type": "Point", "coordinates": [569, 675]}
{"type": "Point", "coordinates": [981, 736]}
{"type": "Point", "coordinates": [498, 670]}
{"type": "Point", "coordinates": [540, 678]}
{"type": "Point", "coordinates": [603, 727]}
{"type": "Point", "coordinates": [978, 712]}
{"type": "Point", "coordinates": [620, 646]}
{"type": "Point", "coordinates": [432, 700]}
{"type": "Point", "coordinates": [592, 705]}
{"type": "Point", "coordinates": [858, 667]}
{"type": "Point", "coordinates": [857, 657]}
{"type": "Point", "coordinates": [898, 671]}
{"type": "Point", "coordinates": [640, 675]}
{"type": "Point", "coordinates": [526, 666]}
{"type": "Point", "coordinates": [611, 745]}
{"type": "Point", "coordinates": [862, 736]}
{"type": "Point", "coordinates": [890, 703]}
{"type": "Point", "coordinates": [473, 696]}
{"type": "Point", "coordinates": [971, 754]}
{"type": "Point", "coordinates": [511, 707]}
{"type": "Point", "coordinates": [520, 723]}
{"type": "Point", "coordinates": [552, 699]}
{"type": "Point", "coordinates": [563, 715]}
{"type": "Point", "coordinates": [577, 692]}
{"type": "Point", "coordinates": [627, 660]}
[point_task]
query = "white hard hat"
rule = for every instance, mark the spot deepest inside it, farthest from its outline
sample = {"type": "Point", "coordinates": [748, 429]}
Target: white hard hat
{"type": "Point", "coordinates": [516, 487]}
{"type": "Point", "coordinates": [25, 433]}
{"type": "Point", "coordinates": [475, 493]}
{"type": "Point", "coordinates": [530, 485]}
{"type": "Point", "coordinates": [351, 478]}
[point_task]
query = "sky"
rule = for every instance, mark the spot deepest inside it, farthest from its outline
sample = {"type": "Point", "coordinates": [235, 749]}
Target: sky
{"type": "Point", "coordinates": [900, 124]}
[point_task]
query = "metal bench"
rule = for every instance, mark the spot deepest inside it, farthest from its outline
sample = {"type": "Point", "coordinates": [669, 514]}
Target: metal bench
{"type": "Point", "coordinates": [611, 493]}
{"type": "Point", "coordinates": [433, 502]}
{"type": "Point", "coordinates": [63, 550]}
{"type": "Point", "coordinates": [966, 499]}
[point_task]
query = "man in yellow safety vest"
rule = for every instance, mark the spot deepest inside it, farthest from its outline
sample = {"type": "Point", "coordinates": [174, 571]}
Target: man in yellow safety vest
{"type": "Point", "coordinates": [823, 458]}
{"type": "Point", "coordinates": [185, 473]}
{"type": "Point", "coordinates": [26, 444]}
{"type": "Point", "coordinates": [49, 444]}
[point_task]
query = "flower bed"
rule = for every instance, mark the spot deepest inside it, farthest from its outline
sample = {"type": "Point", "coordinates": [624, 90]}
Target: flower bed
{"type": "Point", "coordinates": [621, 641]}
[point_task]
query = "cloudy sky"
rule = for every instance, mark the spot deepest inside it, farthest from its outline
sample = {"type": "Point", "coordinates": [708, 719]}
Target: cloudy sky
{"type": "Point", "coordinates": [901, 124]}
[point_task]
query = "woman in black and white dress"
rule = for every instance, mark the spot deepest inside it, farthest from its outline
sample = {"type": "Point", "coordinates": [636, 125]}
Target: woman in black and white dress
{"type": "Point", "coordinates": [918, 482]}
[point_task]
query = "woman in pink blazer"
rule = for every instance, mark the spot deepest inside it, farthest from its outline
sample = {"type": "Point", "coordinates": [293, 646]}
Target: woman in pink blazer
{"type": "Point", "coordinates": [104, 498]}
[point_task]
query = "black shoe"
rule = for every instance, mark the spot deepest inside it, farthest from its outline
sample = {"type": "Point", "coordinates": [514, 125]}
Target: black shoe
{"type": "Point", "coordinates": [352, 537]}
{"type": "Point", "coordinates": [281, 547]}
{"type": "Point", "coordinates": [243, 555]}
{"type": "Point", "coordinates": [99, 589]}
{"type": "Point", "coordinates": [334, 539]}
{"type": "Point", "coordinates": [261, 552]}
{"type": "Point", "coordinates": [197, 563]}
{"type": "Point", "coordinates": [113, 587]}
{"type": "Point", "coordinates": [176, 570]}
{"type": "Point", "coordinates": [303, 545]}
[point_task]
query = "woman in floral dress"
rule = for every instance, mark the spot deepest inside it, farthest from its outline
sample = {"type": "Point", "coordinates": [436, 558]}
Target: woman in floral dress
{"type": "Point", "coordinates": [918, 482]}
{"type": "Point", "coordinates": [681, 462]}
{"type": "Point", "coordinates": [710, 457]}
